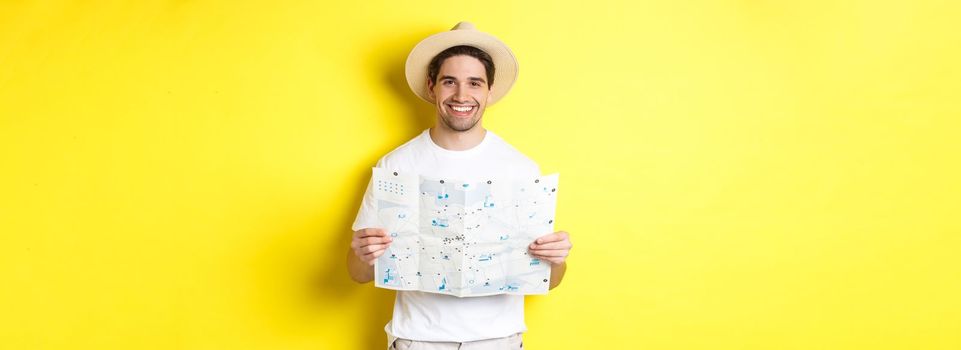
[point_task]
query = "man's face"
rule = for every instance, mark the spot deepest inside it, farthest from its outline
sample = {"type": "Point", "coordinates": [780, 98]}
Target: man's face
{"type": "Point", "coordinates": [461, 92]}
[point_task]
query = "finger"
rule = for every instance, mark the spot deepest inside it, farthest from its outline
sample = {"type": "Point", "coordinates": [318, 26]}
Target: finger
{"type": "Point", "coordinates": [555, 261]}
{"type": "Point", "coordinates": [552, 259]}
{"type": "Point", "coordinates": [549, 253]}
{"type": "Point", "coordinates": [551, 245]}
{"type": "Point", "coordinates": [371, 232]}
{"type": "Point", "coordinates": [373, 248]}
{"type": "Point", "coordinates": [363, 242]}
{"type": "Point", "coordinates": [374, 240]}
{"type": "Point", "coordinates": [553, 237]}
{"type": "Point", "coordinates": [373, 256]}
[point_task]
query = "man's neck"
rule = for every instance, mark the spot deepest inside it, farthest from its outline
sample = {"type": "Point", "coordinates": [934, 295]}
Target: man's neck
{"type": "Point", "coordinates": [457, 140]}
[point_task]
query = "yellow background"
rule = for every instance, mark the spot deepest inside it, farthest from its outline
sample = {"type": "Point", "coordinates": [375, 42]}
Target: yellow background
{"type": "Point", "coordinates": [734, 174]}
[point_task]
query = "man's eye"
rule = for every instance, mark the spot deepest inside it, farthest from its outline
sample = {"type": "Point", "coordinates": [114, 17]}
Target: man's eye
{"type": "Point", "coordinates": [448, 82]}
{"type": "Point", "coordinates": [475, 83]}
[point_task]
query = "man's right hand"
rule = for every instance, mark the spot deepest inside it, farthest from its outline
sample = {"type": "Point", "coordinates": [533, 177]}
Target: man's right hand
{"type": "Point", "coordinates": [370, 243]}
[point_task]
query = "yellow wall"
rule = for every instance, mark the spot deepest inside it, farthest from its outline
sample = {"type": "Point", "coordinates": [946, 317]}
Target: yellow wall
{"type": "Point", "coordinates": [735, 174]}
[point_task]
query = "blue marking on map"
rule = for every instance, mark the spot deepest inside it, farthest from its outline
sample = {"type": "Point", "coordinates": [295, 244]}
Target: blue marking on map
{"type": "Point", "coordinates": [535, 262]}
{"type": "Point", "coordinates": [388, 277]}
{"type": "Point", "coordinates": [485, 257]}
{"type": "Point", "coordinates": [439, 222]}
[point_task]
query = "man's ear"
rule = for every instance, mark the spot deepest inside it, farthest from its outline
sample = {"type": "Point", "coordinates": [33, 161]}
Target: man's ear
{"type": "Point", "coordinates": [430, 89]}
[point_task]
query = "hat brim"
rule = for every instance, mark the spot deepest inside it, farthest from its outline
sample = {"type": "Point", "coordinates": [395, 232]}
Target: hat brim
{"type": "Point", "coordinates": [505, 65]}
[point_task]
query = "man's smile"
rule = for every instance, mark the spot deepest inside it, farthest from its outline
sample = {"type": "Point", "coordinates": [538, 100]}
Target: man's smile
{"type": "Point", "coordinates": [461, 110]}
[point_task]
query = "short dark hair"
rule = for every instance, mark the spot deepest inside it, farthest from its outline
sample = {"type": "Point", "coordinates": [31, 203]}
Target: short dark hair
{"type": "Point", "coordinates": [434, 67]}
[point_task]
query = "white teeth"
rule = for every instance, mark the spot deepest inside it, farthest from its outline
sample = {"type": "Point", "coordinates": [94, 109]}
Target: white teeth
{"type": "Point", "coordinates": [462, 109]}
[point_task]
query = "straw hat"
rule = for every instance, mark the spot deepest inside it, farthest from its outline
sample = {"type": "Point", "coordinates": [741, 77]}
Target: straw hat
{"type": "Point", "coordinates": [464, 33]}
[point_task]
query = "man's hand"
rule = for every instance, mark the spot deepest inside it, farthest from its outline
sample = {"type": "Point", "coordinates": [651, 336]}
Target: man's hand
{"type": "Point", "coordinates": [370, 243]}
{"type": "Point", "coordinates": [553, 247]}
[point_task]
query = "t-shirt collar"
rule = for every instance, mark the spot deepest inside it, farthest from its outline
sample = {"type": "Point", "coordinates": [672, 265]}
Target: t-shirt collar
{"type": "Point", "coordinates": [465, 153]}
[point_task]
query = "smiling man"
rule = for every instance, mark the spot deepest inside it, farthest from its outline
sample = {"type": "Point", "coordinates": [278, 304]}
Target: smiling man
{"type": "Point", "coordinates": [463, 87]}
{"type": "Point", "coordinates": [461, 72]}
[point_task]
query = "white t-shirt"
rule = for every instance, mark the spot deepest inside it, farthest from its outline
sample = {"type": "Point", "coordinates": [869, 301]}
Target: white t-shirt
{"type": "Point", "coordinates": [437, 317]}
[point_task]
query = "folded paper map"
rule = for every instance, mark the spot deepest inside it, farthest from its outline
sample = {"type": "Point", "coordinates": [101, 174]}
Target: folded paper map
{"type": "Point", "coordinates": [463, 238]}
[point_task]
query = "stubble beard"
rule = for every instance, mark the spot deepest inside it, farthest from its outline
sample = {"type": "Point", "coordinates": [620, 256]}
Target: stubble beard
{"type": "Point", "coordinates": [461, 125]}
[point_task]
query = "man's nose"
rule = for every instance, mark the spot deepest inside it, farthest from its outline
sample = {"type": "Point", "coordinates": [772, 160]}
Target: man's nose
{"type": "Point", "coordinates": [461, 94]}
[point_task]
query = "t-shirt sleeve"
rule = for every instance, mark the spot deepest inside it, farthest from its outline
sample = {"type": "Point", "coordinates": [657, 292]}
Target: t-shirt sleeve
{"type": "Point", "coordinates": [366, 215]}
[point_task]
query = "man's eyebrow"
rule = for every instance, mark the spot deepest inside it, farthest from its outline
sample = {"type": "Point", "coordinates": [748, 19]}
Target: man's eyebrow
{"type": "Point", "coordinates": [471, 78]}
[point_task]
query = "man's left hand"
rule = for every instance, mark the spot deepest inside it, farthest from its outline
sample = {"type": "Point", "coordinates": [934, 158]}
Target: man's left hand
{"type": "Point", "coordinates": [554, 247]}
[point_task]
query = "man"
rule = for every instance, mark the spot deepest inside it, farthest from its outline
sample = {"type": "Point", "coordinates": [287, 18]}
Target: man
{"type": "Point", "coordinates": [460, 71]}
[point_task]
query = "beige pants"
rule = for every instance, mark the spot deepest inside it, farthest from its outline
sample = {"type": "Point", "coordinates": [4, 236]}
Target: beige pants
{"type": "Point", "coordinates": [513, 342]}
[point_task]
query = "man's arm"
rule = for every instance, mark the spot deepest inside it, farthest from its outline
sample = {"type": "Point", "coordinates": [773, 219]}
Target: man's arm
{"type": "Point", "coordinates": [553, 248]}
{"type": "Point", "coordinates": [365, 246]}
{"type": "Point", "coordinates": [557, 274]}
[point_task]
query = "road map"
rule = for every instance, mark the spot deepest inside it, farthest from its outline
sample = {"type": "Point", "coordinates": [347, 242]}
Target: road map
{"type": "Point", "coordinates": [463, 238]}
